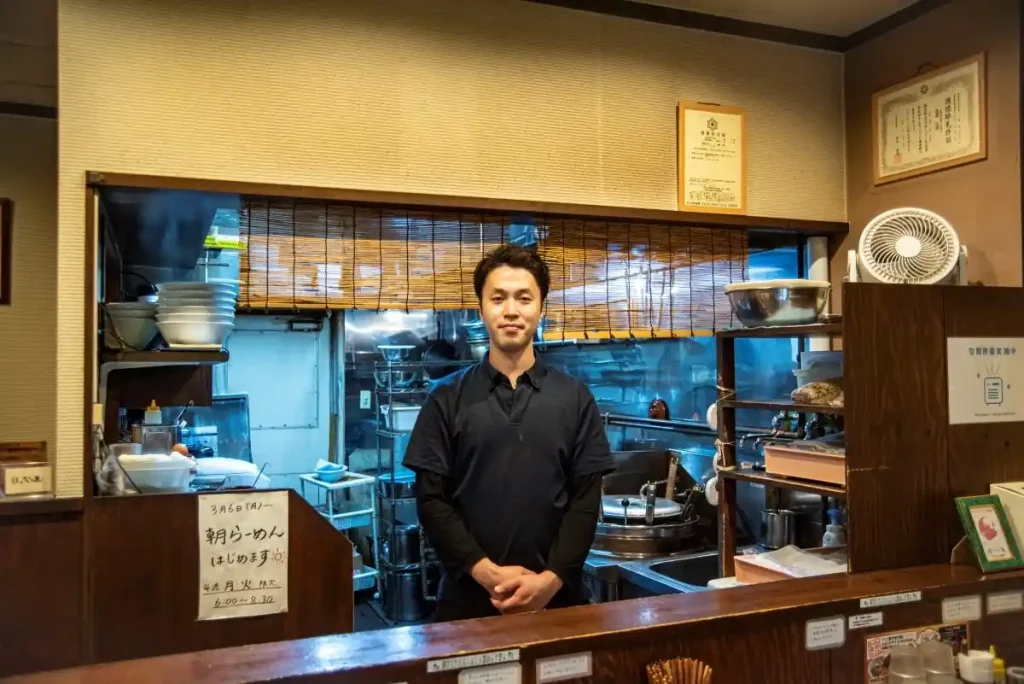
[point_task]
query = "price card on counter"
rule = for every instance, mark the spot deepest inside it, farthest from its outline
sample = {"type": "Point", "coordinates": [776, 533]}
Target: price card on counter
{"type": "Point", "coordinates": [510, 673]}
{"type": "Point", "coordinates": [243, 554]}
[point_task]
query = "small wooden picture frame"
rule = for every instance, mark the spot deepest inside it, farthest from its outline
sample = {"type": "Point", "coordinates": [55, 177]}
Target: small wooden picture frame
{"type": "Point", "coordinates": [989, 533]}
{"type": "Point", "coordinates": [6, 244]}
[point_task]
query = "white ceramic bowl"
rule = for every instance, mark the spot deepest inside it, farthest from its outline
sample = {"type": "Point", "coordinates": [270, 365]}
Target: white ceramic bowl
{"type": "Point", "coordinates": [221, 304]}
{"type": "Point", "coordinates": [137, 333]}
{"type": "Point", "coordinates": [132, 313]}
{"type": "Point", "coordinates": [195, 332]}
{"type": "Point", "coordinates": [176, 317]}
{"type": "Point", "coordinates": [195, 287]}
{"type": "Point", "coordinates": [189, 309]}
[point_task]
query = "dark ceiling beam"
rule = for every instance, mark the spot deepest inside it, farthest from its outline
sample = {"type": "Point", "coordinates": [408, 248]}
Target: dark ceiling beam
{"type": "Point", "coordinates": [893, 21]}
{"type": "Point", "coordinates": [641, 11]}
{"type": "Point", "coordinates": [26, 109]}
{"type": "Point", "coordinates": [702, 22]}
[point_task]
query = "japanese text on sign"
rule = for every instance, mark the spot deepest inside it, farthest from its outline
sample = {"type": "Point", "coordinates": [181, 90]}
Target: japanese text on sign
{"type": "Point", "coordinates": [983, 376]}
{"type": "Point", "coordinates": [243, 554]}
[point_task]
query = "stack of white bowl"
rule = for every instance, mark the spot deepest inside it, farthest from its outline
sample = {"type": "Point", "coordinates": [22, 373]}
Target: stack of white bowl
{"type": "Point", "coordinates": [196, 315]}
{"type": "Point", "coordinates": [130, 325]}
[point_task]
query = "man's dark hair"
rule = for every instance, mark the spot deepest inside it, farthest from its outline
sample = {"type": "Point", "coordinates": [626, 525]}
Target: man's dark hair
{"type": "Point", "coordinates": [515, 257]}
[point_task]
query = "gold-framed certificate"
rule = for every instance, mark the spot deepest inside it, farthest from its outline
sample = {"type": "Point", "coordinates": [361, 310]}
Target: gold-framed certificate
{"type": "Point", "coordinates": [931, 122]}
{"type": "Point", "coordinates": [712, 158]}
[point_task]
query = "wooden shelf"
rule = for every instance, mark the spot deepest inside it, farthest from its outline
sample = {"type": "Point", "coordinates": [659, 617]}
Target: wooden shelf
{"type": "Point", "coordinates": [166, 357]}
{"type": "Point", "coordinates": [784, 330]}
{"type": "Point", "coordinates": [781, 405]}
{"type": "Point", "coordinates": [761, 477]}
{"type": "Point", "coordinates": [40, 506]}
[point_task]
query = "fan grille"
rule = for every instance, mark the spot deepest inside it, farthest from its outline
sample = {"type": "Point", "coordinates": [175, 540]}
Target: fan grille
{"type": "Point", "coordinates": [909, 245]}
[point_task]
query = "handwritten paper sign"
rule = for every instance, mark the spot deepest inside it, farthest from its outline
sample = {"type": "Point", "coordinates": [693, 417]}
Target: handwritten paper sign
{"type": "Point", "coordinates": [712, 158]}
{"type": "Point", "coordinates": [983, 375]}
{"type": "Point", "coordinates": [825, 633]}
{"type": "Point", "coordinates": [243, 554]}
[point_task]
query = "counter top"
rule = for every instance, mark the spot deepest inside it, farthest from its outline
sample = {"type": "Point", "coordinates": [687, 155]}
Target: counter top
{"type": "Point", "coordinates": [399, 653]}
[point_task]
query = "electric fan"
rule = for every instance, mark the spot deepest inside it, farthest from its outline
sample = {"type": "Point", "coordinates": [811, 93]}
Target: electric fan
{"type": "Point", "coordinates": [911, 246]}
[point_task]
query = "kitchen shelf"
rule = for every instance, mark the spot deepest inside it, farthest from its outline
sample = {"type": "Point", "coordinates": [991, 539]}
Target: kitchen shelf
{"type": "Point", "coordinates": [761, 477]}
{"type": "Point", "coordinates": [39, 505]}
{"type": "Point", "coordinates": [393, 433]}
{"type": "Point", "coordinates": [165, 357]}
{"type": "Point", "coordinates": [404, 391]}
{"type": "Point", "coordinates": [781, 405]}
{"type": "Point", "coordinates": [364, 580]}
{"type": "Point", "coordinates": [784, 330]}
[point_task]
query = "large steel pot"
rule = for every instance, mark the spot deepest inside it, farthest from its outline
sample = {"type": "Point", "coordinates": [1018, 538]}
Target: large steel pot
{"type": "Point", "coordinates": [403, 597]}
{"type": "Point", "coordinates": [642, 541]}
{"type": "Point", "coordinates": [778, 302]}
{"type": "Point", "coordinates": [402, 545]}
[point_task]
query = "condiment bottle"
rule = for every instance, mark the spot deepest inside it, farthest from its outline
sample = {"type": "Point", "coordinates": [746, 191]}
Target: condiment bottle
{"type": "Point", "coordinates": [153, 414]}
{"type": "Point", "coordinates": [998, 667]}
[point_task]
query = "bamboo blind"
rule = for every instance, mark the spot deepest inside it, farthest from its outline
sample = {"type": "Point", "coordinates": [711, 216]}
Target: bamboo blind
{"type": "Point", "coordinates": [608, 279]}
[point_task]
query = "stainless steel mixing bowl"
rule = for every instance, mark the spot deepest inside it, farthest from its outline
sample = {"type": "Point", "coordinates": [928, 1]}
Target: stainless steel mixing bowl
{"type": "Point", "coordinates": [778, 302]}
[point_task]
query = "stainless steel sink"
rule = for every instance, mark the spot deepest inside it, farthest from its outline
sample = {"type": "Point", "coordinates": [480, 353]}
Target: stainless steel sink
{"type": "Point", "coordinates": [682, 574]}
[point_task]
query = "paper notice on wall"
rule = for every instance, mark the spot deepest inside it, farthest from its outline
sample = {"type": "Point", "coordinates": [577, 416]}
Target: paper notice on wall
{"type": "Point", "coordinates": [985, 375]}
{"type": "Point", "coordinates": [243, 554]}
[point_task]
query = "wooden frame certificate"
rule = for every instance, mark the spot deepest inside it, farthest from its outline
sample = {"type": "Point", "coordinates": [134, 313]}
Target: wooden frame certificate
{"type": "Point", "coordinates": [712, 158]}
{"type": "Point", "coordinates": [930, 122]}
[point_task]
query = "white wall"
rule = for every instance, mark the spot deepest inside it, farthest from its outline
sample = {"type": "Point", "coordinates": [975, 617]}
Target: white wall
{"type": "Point", "coordinates": [28, 327]}
{"type": "Point", "coordinates": [287, 377]}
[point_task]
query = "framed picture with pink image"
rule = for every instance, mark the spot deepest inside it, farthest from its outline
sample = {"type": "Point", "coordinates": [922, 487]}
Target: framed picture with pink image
{"type": "Point", "coordinates": [989, 533]}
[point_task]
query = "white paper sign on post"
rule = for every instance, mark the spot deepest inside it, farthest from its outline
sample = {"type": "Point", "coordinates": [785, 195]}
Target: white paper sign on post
{"type": "Point", "coordinates": [243, 554]}
{"type": "Point", "coordinates": [985, 375]}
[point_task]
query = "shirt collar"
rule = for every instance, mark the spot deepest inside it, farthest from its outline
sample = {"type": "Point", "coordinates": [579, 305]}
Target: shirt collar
{"type": "Point", "coordinates": [534, 376]}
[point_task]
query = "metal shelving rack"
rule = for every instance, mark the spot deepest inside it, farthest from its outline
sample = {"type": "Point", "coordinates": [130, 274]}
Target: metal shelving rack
{"type": "Point", "coordinates": [416, 393]}
{"type": "Point", "coordinates": [346, 515]}
{"type": "Point", "coordinates": [727, 407]}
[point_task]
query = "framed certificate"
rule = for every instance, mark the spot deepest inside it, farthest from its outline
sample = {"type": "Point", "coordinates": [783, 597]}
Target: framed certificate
{"type": "Point", "coordinates": [712, 158]}
{"type": "Point", "coordinates": [6, 226]}
{"type": "Point", "coordinates": [931, 122]}
{"type": "Point", "coordinates": [989, 533]}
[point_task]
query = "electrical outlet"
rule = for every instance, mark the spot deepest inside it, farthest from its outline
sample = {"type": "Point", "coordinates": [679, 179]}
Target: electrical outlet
{"type": "Point", "coordinates": [364, 399]}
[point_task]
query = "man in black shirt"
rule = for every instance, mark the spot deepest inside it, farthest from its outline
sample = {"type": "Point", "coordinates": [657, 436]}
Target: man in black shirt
{"type": "Point", "coordinates": [509, 456]}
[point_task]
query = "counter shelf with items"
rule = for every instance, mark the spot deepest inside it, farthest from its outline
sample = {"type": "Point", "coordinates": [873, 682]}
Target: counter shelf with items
{"type": "Point", "coordinates": [730, 472]}
{"type": "Point", "coordinates": [343, 514]}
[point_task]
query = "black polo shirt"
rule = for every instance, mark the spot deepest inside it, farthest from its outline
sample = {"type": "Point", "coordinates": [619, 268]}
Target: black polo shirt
{"type": "Point", "coordinates": [510, 457]}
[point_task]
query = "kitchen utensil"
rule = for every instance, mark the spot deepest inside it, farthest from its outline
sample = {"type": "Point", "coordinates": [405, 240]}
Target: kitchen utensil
{"type": "Point", "coordinates": [618, 509]}
{"type": "Point", "coordinates": [1015, 675]}
{"type": "Point", "coordinates": [778, 528]}
{"type": "Point", "coordinates": [939, 667]}
{"type": "Point", "coordinates": [396, 352]}
{"type": "Point", "coordinates": [401, 545]}
{"type": "Point", "coordinates": [189, 287]}
{"type": "Point", "coordinates": [403, 597]}
{"type": "Point", "coordinates": [778, 302]}
{"type": "Point", "coordinates": [156, 439]}
{"type": "Point", "coordinates": [132, 332]}
{"type": "Point", "coordinates": [176, 317]}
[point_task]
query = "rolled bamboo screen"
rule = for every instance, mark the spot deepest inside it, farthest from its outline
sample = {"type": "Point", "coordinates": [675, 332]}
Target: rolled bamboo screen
{"type": "Point", "coordinates": [607, 278]}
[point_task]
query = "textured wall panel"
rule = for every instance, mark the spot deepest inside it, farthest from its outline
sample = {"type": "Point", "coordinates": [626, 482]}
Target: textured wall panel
{"type": "Point", "coordinates": [28, 328]}
{"type": "Point", "coordinates": [497, 98]}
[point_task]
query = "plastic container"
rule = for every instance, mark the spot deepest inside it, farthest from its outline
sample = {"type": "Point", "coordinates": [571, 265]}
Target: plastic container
{"type": "Point", "coordinates": [158, 473]}
{"type": "Point", "coordinates": [938, 662]}
{"type": "Point", "coordinates": [400, 417]}
{"type": "Point", "coordinates": [835, 533]}
{"type": "Point", "coordinates": [906, 664]}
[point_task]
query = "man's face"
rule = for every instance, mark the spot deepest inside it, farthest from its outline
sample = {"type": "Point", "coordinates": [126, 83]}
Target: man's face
{"type": "Point", "coordinates": [511, 307]}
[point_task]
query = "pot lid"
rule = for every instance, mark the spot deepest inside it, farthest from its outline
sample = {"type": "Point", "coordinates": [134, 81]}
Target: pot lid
{"type": "Point", "coordinates": [636, 509]}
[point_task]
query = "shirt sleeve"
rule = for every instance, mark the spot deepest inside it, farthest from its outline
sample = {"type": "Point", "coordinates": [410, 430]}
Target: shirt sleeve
{"type": "Point", "coordinates": [429, 445]}
{"type": "Point", "coordinates": [592, 453]}
{"type": "Point", "coordinates": [444, 526]}
{"type": "Point", "coordinates": [576, 533]}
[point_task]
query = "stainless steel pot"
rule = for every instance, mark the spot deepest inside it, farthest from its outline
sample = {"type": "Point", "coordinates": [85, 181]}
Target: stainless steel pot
{"type": "Point", "coordinates": [642, 541]}
{"type": "Point", "coordinates": [778, 528]}
{"type": "Point", "coordinates": [403, 597]}
{"type": "Point", "coordinates": [402, 545]}
{"type": "Point", "coordinates": [778, 302]}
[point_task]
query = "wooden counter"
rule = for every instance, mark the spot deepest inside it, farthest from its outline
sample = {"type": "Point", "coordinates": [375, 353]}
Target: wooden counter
{"type": "Point", "coordinates": [747, 634]}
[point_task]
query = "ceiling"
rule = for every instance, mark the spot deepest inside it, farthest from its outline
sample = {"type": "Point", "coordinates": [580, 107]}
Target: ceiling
{"type": "Point", "coordinates": [831, 17]}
